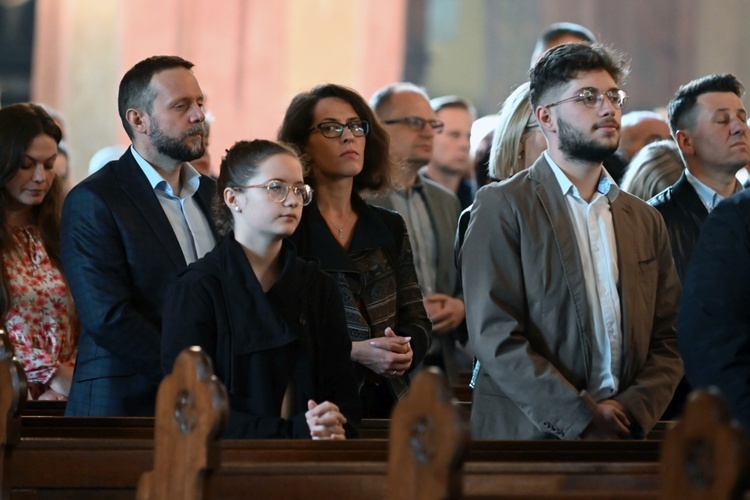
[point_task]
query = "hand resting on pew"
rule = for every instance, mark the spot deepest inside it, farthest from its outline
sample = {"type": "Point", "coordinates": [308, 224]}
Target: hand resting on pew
{"type": "Point", "coordinates": [325, 420]}
{"type": "Point", "coordinates": [388, 356]}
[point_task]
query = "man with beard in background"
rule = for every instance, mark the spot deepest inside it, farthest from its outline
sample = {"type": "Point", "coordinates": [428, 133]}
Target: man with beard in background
{"type": "Point", "coordinates": [570, 289]}
{"type": "Point", "coordinates": [128, 230]}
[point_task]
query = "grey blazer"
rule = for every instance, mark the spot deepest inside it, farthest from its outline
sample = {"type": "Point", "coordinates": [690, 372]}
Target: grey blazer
{"type": "Point", "coordinates": [444, 209]}
{"type": "Point", "coordinates": [527, 312]}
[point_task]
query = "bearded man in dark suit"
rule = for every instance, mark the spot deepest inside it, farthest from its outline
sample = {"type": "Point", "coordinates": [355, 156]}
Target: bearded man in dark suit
{"type": "Point", "coordinates": [128, 230]}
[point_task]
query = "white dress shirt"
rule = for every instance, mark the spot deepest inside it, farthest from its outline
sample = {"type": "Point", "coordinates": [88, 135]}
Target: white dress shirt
{"type": "Point", "coordinates": [595, 235]}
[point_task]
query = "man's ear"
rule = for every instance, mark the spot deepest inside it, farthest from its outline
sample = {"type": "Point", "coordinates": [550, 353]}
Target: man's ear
{"type": "Point", "coordinates": [138, 120]}
{"type": "Point", "coordinates": [545, 120]}
{"type": "Point", "coordinates": [685, 142]}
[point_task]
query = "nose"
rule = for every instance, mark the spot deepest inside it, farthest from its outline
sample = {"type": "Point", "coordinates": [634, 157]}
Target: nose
{"type": "Point", "coordinates": [38, 176]}
{"type": "Point", "coordinates": [347, 135]}
{"type": "Point", "coordinates": [739, 126]}
{"type": "Point", "coordinates": [608, 106]}
{"type": "Point", "coordinates": [428, 131]}
{"type": "Point", "coordinates": [198, 115]}
{"type": "Point", "coordinates": [291, 199]}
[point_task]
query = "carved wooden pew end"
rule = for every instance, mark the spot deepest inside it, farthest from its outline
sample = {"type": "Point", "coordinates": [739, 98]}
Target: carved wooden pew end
{"type": "Point", "coordinates": [427, 443]}
{"type": "Point", "coordinates": [192, 409]}
{"type": "Point", "coordinates": [704, 455]}
{"type": "Point", "coordinates": [14, 392]}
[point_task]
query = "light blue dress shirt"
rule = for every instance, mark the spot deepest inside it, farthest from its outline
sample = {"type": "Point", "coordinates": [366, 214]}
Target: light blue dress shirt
{"type": "Point", "coordinates": [708, 196]}
{"type": "Point", "coordinates": [188, 221]}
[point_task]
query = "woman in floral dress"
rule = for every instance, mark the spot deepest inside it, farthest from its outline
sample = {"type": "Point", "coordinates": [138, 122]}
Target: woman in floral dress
{"type": "Point", "coordinates": [35, 303]}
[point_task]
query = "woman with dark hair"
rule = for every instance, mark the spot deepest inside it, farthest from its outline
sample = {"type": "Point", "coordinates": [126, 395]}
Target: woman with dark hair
{"type": "Point", "coordinates": [366, 249]}
{"type": "Point", "coordinates": [36, 306]}
{"type": "Point", "coordinates": [272, 323]}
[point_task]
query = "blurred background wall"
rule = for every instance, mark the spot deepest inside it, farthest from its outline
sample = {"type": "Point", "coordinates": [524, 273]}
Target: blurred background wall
{"type": "Point", "coordinates": [253, 56]}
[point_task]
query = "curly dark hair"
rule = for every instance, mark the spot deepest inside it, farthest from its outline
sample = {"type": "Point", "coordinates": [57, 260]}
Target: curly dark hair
{"type": "Point", "coordinates": [298, 120]}
{"type": "Point", "coordinates": [563, 63]}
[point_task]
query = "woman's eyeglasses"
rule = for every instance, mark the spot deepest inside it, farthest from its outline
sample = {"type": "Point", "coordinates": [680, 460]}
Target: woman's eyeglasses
{"type": "Point", "coordinates": [278, 191]}
{"type": "Point", "coordinates": [333, 130]}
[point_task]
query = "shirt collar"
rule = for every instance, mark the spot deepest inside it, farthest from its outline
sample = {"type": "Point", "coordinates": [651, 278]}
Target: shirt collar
{"type": "Point", "coordinates": [708, 196]}
{"type": "Point", "coordinates": [190, 177]}
{"type": "Point", "coordinates": [606, 186]}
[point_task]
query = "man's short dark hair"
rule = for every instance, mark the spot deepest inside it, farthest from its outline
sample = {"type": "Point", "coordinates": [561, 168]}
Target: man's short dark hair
{"type": "Point", "coordinates": [563, 63]}
{"type": "Point", "coordinates": [553, 33]}
{"type": "Point", "coordinates": [135, 87]}
{"type": "Point", "coordinates": [681, 106]}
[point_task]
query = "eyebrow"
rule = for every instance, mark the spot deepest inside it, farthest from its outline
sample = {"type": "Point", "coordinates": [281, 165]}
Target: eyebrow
{"type": "Point", "coordinates": [739, 111]}
{"type": "Point", "coordinates": [329, 119]}
{"type": "Point", "coordinates": [38, 160]}
{"type": "Point", "coordinates": [200, 99]}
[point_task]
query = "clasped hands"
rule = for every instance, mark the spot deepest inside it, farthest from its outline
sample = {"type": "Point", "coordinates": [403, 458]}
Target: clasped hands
{"type": "Point", "coordinates": [389, 356]}
{"type": "Point", "coordinates": [325, 420]}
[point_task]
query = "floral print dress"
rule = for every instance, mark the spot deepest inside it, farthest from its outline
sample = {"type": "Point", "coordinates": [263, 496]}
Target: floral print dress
{"type": "Point", "coordinates": [41, 318]}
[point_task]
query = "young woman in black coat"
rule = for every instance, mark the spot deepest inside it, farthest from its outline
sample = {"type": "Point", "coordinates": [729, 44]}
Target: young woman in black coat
{"type": "Point", "coordinates": [272, 323]}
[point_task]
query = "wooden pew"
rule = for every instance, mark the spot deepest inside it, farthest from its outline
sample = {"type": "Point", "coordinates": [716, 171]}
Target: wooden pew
{"type": "Point", "coordinates": [109, 468]}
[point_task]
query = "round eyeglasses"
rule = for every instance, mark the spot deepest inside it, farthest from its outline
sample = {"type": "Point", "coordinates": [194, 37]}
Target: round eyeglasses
{"type": "Point", "coordinates": [417, 124]}
{"type": "Point", "coordinates": [333, 129]}
{"type": "Point", "coordinates": [278, 191]}
{"type": "Point", "coordinates": [593, 98]}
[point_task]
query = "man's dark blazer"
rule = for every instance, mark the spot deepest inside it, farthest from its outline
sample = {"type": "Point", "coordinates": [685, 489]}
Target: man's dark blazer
{"type": "Point", "coordinates": [683, 213]}
{"type": "Point", "coordinates": [120, 255]}
{"type": "Point", "coordinates": [713, 325]}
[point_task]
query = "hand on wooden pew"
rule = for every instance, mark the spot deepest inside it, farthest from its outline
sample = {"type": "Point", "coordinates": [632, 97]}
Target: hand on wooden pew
{"type": "Point", "coordinates": [325, 420]}
{"type": "Point", "coordinates": [388, 356]}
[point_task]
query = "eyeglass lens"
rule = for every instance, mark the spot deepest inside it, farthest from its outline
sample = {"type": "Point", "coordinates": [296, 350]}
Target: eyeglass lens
{"type": "Point", "coordinates": [278, 191]}
{"type": "Point", "coordinates": [592, 98]}
{"type": "Point", "coordinates": [335, 129]}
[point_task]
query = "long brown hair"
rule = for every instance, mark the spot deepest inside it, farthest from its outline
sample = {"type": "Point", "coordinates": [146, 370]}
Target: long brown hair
{"type": "Point", "coordinates": [19, 125]}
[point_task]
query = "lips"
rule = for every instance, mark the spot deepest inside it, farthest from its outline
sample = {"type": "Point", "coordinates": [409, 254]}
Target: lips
{"type": "Point", "coordinates": [607, 124]}
{"type": "Point", "coordinates": [350, 153]}
{"type": "Point", "coordinates": [195, 131]}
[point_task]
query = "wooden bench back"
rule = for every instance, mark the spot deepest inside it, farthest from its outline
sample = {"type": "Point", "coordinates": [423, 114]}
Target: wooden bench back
{"type": "Point", "coordinates": [192, 409]}
{"type": "Point", "coordinates": [14, 392]}
{"type": "Point", "coordinates": [428, 438]}
{"type": "Point", "coordinates": [703, 456]}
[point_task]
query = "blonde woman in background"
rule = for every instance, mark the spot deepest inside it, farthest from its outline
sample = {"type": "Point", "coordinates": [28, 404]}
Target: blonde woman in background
{"type": "Point", "coordinates": [653, 169]}
{"type": "Point", "coordinates": [517, 141]}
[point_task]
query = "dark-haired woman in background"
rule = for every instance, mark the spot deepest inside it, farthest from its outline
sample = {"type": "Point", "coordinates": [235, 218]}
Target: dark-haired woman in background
{"type": "Point", "coordinates": [366, 249]}
{"type": "Point", "coordinates": [272, 323]}
{"type": "Point", "coordinates": [36, 306]}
